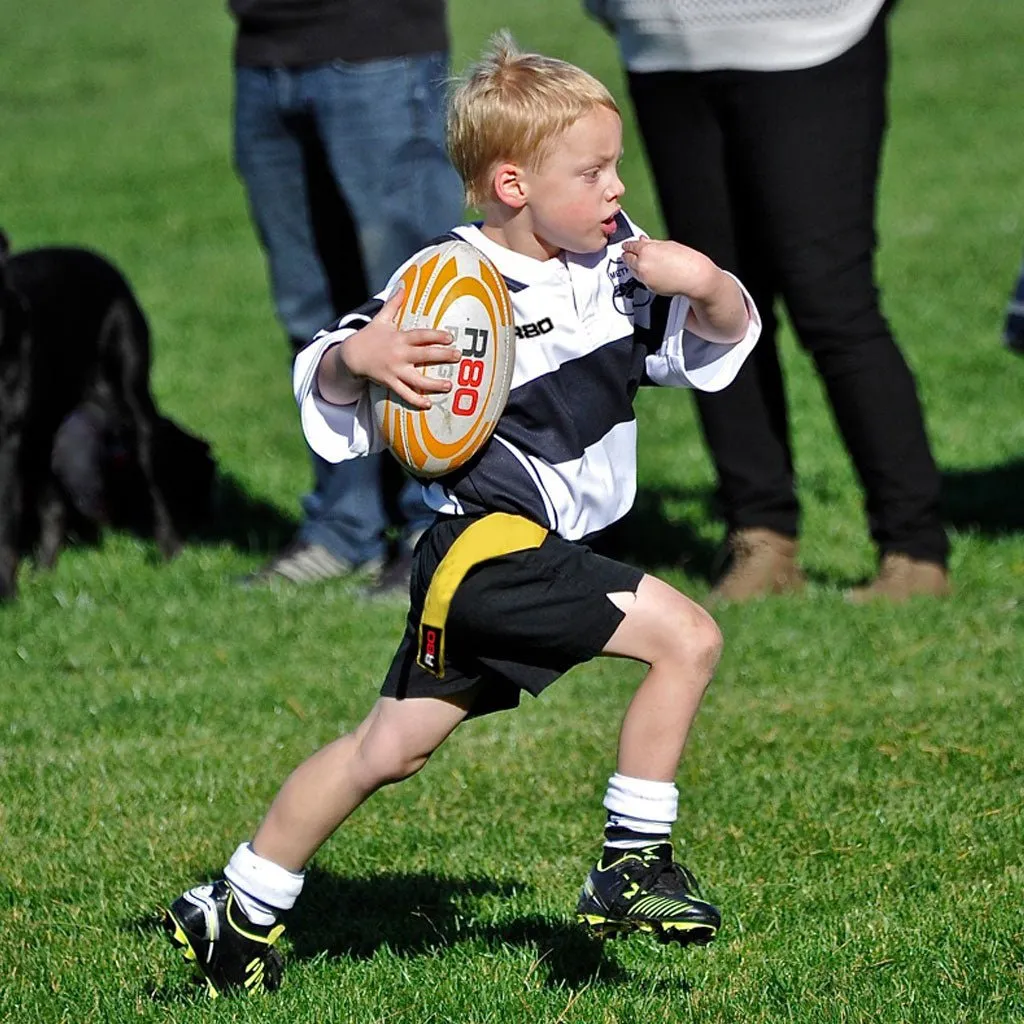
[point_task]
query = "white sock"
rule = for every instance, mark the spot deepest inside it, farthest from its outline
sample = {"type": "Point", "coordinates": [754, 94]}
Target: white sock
{"type": "Point", "coordinates": [640, 811]}
{"type": "Point", "coordinates": [261, 887]}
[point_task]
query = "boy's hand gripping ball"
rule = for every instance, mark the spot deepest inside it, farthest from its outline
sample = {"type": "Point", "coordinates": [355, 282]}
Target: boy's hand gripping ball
{"type": "Point", "coordinates": [452, 287]}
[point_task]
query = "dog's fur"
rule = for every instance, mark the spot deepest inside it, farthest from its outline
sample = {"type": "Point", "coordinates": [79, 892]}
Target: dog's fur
{"type": "Point", "coordinates": [74, 350]}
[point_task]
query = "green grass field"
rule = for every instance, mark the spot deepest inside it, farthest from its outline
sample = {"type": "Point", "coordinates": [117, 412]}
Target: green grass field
{"type": "Point", "coordinates": [852, 794]}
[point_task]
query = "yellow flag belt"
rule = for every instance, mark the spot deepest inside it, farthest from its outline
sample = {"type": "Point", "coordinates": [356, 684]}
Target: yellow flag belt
{"type": "Point", "coordinates": [497, 534]}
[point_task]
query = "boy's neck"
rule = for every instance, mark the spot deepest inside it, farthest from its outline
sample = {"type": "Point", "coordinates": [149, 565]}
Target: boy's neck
{"type": "Point", "coordinates": [512, 230]}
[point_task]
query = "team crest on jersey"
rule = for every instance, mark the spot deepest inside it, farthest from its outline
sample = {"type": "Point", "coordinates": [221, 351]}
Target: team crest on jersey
{"type": "Point", "coordinates": [628, 293]}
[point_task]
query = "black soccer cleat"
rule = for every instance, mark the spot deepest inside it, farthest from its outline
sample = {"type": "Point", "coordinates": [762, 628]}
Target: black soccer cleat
{"type": "Point", "coordinates": [645, 890]}
{"type": "Point", "coordinates": [211, 929]}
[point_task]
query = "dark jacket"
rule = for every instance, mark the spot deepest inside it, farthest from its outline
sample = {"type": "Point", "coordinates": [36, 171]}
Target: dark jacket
{"type": "Point", "coordinates": [297, 33]}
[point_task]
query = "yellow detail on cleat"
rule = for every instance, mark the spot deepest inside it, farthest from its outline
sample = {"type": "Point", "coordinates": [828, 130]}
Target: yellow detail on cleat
{"type": "Point", "coordinates": [179, 938]}
{"type": "Point", "coordinates": [603, 927]}
{"type": "Point", "coordinates": [683, 932]}
{"type": "Point", "coordinates": [686, 926]}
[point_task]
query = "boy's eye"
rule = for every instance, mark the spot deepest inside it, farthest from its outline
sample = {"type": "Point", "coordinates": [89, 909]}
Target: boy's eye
{"type": "Point", "coordinates": [592, 174]}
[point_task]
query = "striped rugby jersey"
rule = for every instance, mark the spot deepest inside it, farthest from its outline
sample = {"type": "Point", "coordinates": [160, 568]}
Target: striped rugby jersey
{"type": "Point", "coordinates": [563, 453]}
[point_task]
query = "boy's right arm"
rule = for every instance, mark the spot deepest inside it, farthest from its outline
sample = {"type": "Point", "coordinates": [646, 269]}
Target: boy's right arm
{"type": "Point", "coordinates": [391, 357]}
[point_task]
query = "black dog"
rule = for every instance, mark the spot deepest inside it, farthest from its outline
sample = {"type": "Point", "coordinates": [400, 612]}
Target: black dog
{"type": "Point", "coordinates": [74, 388]}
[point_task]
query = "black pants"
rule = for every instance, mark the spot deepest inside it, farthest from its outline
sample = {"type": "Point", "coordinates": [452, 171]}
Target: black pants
{"type": "Point", "coordinates": [774, 175]}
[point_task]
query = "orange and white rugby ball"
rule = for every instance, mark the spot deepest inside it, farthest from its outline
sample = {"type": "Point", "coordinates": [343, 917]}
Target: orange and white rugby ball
{"type": "Point", "coordinates": [452, 287]}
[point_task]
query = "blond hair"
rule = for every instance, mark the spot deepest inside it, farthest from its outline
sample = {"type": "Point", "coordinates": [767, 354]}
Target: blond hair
{"type": "Point", "coordinates": [514, 106]}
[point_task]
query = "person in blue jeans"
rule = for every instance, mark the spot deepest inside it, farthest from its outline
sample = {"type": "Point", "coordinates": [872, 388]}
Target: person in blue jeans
{"type": "Point", "coordinates": [339, 130]}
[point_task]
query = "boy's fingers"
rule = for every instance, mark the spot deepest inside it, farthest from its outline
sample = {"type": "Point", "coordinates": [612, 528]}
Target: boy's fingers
{"type": "Point", "coordinates": [411, 396]}
{"type": "Point", "coordinates": [431, 355]}
{"type": "Point", "coordinates": [419, 381]}
{"type": "Point", "coordinates": [428, 336]}
{"type": "Point", "coordinates": [420, 384]}
{"type": "Point", "coordinates": [432, 385]}
{"type": "Point", "coordinates": [390, 310]}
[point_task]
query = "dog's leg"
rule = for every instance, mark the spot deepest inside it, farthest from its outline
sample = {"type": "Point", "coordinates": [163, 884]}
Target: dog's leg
{"type": "Point", "coordinates": [52, 524]}
{"type": "Point", "coordinates": [125, 337]}
{"type": "Point", "coordinates": [10, 518]}
{"type": "Point", "coordinates": [8, 574]}
{"type": "Point", "coordinates": [15, 387]}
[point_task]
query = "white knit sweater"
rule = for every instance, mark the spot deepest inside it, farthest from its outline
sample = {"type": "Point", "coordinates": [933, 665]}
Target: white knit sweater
{"type": "Point", "coordinates": [748, 35]}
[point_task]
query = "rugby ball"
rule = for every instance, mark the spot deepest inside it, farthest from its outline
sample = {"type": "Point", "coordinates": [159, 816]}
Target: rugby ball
{"type": "Point", "coordinates": [452, 287]}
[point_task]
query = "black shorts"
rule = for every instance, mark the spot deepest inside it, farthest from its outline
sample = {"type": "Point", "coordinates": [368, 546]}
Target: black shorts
{"type": "Point", "coordinates": [515, 622]}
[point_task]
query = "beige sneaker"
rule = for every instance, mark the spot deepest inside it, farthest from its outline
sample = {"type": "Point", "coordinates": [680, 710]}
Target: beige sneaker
{"type": "Point", "coordinates": [901, 577]}
{"type": "Point", "coordinates": [760, 562]}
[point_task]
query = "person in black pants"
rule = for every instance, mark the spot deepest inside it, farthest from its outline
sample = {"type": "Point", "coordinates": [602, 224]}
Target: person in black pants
{"type": "Point", "coordinates": [1013, 330]}
{"type": "Point", "coordinates": [773, 174]}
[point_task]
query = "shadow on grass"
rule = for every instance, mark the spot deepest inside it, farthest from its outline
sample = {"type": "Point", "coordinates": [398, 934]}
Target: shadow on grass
{"type": "Point", "coordinates": [646, 537]}
{"type": "Point", "coordinates": [233, 516]}
{"type": "Point", "coordinates": [649, 538]}
{"type": "Point", "coordinates": [986, 499]}
{"type": "Point", "coordinates": [413, 914]}
{"type": "Point", "coordinates": [247, 523]}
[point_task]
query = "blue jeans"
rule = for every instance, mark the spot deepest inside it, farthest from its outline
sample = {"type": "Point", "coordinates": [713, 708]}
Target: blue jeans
{"type": "Point", "coordinates": [379, 126]}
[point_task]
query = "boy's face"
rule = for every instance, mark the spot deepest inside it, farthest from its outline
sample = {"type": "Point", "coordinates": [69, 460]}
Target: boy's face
{"type": "Point", "coordinates": [573, 197]}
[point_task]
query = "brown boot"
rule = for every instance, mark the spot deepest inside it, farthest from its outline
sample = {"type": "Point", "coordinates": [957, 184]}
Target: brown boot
{"type": "Point", "coordinates": [760, 562]}
{"type": "Point", "coordinates": [901, 577]}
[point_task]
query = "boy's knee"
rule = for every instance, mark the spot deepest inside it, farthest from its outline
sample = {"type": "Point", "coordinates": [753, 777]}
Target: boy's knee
{"type": "Point", "coordinates": [406, 767]}
{"type": "Point", "coordinates": [388, 760]}
{"type": "Point", "coordinates": [711, 640]}
{"type": "Point", "coordinates": [702, 639]}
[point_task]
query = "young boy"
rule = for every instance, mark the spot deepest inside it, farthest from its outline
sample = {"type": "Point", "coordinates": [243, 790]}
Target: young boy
{"type": "Point", "coordinates": [537, 142]}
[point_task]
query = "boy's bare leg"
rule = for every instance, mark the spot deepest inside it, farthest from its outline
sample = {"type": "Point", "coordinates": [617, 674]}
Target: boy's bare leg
{"type": "Point", "coordinates": [228, 928]}
{"type": "Point", "coordinates": [393, 742]}
{"type": "Point", "coordinates": [682, 644]}
{"type": "Point", "coordinates": [636, 884]}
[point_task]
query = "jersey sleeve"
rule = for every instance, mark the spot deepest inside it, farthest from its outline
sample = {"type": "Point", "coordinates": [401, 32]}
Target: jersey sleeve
{"type": "Point", "coordinates": [684, 359]}
{"type": "Point", "coordinates": [338, 433]}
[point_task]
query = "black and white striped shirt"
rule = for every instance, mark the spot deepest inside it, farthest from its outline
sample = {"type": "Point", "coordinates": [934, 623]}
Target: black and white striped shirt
{"type": "Point", "coordinates": [563, 453]}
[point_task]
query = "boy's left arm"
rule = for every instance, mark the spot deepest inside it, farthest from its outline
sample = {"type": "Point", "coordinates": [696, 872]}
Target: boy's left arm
{"type": "Point", "coordinates": [718, 311]}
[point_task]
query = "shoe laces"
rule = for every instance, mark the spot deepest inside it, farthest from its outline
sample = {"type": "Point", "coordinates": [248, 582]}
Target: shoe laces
{"type": "Point", "coordinates": [660, 873]}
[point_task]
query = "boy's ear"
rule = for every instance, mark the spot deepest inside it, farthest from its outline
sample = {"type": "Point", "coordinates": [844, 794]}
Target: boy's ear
{"type": "Point", "coordinates": [509, 186]}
